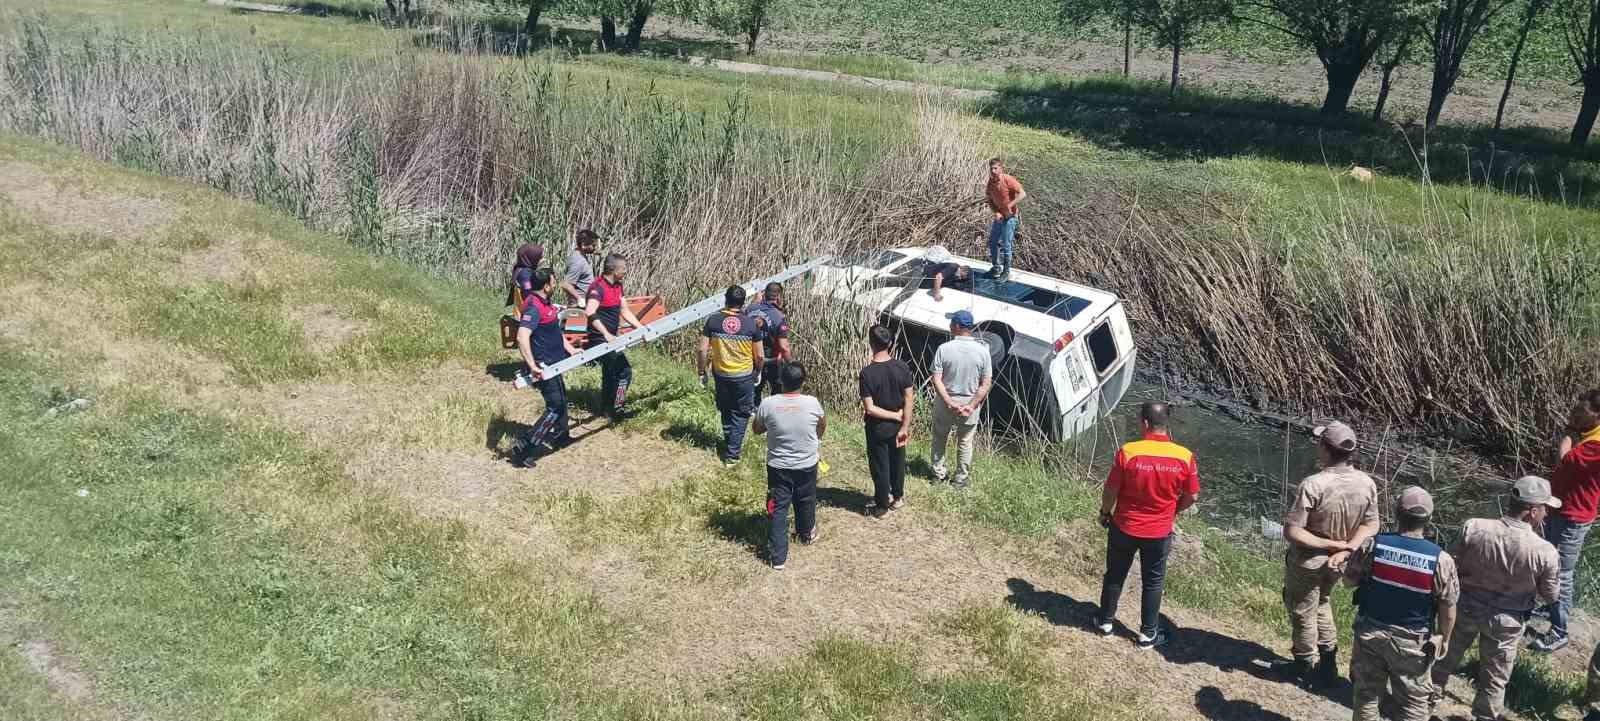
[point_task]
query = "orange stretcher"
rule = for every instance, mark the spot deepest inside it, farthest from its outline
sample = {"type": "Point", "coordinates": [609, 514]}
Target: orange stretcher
{"type": "Point", "coordinates": [575, 324]}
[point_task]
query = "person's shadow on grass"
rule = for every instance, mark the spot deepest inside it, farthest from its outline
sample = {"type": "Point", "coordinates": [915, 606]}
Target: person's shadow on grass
{"type": "Point", "coordinates": [1057, 608]}
{"type": "Point", "coordinates": [1211, 704]}
{"type": "Point", "coordinates": [848, 499]}
{"type": "Point", "coordinates": [746, 528]}
{"type": "Point", "coordinates": [1226, 653]}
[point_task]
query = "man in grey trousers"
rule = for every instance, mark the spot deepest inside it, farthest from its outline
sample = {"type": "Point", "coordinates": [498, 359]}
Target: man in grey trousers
{"type": "Point", "coordinates": [962, 375]}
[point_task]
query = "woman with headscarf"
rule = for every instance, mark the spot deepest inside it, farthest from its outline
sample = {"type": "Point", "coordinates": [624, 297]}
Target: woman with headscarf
{"type": "Point", "coordinates": [528, 258]}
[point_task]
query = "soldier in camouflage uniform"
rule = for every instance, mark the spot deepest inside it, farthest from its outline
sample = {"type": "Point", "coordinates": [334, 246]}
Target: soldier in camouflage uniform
{"type": "Point", "coordinates": [1507, 569]}
{"type": "Point", "coordinates": [1333, 511]}
{"type": "Point", "coordinates": [1407, 591]}
{"type": "Point", "coordinates": [1591, 690]}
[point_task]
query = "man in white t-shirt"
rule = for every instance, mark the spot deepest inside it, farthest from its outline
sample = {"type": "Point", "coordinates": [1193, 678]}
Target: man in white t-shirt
{"type": "Point", "coordinates": [794, 424]}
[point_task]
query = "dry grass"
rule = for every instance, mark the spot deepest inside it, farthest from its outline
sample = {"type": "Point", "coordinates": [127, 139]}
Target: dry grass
{"type": "Point", "coordinates": [1453, 323]}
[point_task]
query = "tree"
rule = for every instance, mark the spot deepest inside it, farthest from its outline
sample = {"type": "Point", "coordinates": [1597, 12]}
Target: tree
{"type": "Point", "coordinates": [1391, 57]}
{"type": "Point", "coordinates": [530, 26]}
{"type": "Point", "coordinates": [1530, 15]}
{"type": "Point", "coordinates": [1345, 34]}
{"type": "Point", "coordinates": [640, 15]}
{"type": "Point", "coordinates": [1580, 32]}
{"type": "Point", "coordinates": [746, 19]}
{"type": "Point", "coordinates": [1455, 25]}
{"type": "Point", "coordinates": [400, 9]}
{"type": "Point", "coordinates": [636, 13]}
{"type": "Point", "coordinates": [1172, 24]}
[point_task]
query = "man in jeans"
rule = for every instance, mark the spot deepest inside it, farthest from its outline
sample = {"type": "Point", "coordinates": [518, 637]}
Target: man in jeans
{"type": "Point", "coordinates": [962, 376]}
{"type": "Point", "coordinates": [728, 343]}
{"type": "Point", "coordinates": [1577, 483]}
{"type": "Point", "coordinates": [794, 424]}
{"type": "Point", "coordinates": [1003, 192]}
{"type": "Point", "coordinates": [1151, 482]}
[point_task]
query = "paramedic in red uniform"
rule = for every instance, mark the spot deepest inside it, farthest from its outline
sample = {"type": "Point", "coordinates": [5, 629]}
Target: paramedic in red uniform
{"type": "Point", "coordinates": [1151, 482]}
{"type": "Point", "coordinates": [607, 308]}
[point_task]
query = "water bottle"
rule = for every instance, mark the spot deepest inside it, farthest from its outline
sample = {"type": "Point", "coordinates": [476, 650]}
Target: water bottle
{"type": "Point", "coordinates": [523, 380]}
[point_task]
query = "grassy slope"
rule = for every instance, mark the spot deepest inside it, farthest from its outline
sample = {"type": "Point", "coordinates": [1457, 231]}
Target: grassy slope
{"type": "Point", "coordinates": [1025, 501]}
{"type": "Point", "coordinates": [224, 564]}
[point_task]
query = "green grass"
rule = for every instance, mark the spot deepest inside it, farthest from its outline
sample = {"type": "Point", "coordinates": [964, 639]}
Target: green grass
{"type": "Point", "coordinates": [220, 566]}
{"type": "Point", "coordinates": [216, 507]}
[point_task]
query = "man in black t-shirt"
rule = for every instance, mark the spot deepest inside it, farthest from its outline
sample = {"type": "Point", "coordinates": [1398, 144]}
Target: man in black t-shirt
{"type": "Point", "coordinates": [887, 395]}
{"type": "Point", "coordinates": [950, 275]}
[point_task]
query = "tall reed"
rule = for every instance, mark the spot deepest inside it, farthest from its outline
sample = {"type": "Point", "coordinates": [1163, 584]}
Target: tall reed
{"type": "Point", "coordinates": [1454, 324]}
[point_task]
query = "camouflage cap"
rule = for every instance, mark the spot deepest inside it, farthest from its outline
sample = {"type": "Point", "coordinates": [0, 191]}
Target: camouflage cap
{"type": "Point", "coordinates": [1335, 435]}
{"type": "Point", "coordinates": [1534, 491]}
{"type": "Point", "coordinates": [1415, 501]}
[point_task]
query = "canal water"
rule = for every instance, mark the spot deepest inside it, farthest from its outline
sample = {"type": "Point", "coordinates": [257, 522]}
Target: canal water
{"type": "Point", "coordinates": [1250, 464]}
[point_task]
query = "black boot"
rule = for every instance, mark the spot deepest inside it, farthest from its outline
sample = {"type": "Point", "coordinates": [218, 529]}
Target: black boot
{"type": "Point", "coordinates": [1296, 670]}
{"type": "Point", "coordinates": [1326, 674]}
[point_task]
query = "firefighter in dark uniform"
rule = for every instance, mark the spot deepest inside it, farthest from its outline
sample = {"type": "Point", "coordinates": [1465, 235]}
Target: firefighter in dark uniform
{"type": "Point", "coordinates": [607, 308]}
{"type": "Point", "coordinates": [768, 312]}
{"type": "Point", "coordinates": [1406, 594]}
{"type": "Point", "coordinates": [541, 342]}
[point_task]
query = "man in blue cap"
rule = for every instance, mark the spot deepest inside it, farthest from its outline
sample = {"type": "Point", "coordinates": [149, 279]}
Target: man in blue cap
{"type": "Point", "coordinates": [963, 373]}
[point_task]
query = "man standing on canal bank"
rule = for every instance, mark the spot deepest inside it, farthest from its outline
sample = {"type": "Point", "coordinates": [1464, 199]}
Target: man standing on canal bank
{"type": "Point", "coordinates": [730, 345]}
{"type": "Point", "coordinates": [963, 373]}
{"type": "Point", "coordinates": [1333, 511]}
{"type": "Point", "coordinates": [1577, 483]}
{"type": "Point", "coordinates": [1151, 482]}
{"type": "Point", "coordinates": [888, 398]}
{"type": "Point", "coordinates": [1506, 570]}
{"type": "Point", "coordinates": [1406, 590]}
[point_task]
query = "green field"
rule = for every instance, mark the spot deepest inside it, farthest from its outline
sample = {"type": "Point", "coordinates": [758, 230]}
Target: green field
{"type": "Point", "coordinates": [289, 499]}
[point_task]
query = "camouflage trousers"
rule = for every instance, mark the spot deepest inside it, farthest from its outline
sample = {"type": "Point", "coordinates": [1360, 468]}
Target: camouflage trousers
{"type": "Point", "coordinates": [1591, 690]}
{"type": "Point", "coordinates": [1308, 595]}
{"type": "Point", "coordinates": [1391, 658]}
{"type": "Point", "coordinates": [1497, 636]}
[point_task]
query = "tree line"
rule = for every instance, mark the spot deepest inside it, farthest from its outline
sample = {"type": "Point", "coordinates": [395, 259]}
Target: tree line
{"type": "Point", "coordinates": [1348, 37]}
{"type": "Point", "coordinates": [1351, 36]}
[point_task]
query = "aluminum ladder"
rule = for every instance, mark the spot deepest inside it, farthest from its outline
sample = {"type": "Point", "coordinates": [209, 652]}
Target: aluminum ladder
{"type": "Point", "coordinates": [675, 321]}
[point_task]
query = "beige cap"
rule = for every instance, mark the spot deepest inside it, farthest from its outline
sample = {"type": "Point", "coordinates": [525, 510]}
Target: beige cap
{"type": "Point", "coordinates": [1414, 501]}
{"type": "Point", "coordinates": [1335, 435]}
{"type": "Point", "coordinates": [1534, 491]}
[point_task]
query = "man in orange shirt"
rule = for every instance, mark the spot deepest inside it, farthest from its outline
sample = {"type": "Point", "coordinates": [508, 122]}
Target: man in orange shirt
{"type": "Point", "coordinates": [1004, 193]}
{"type": "Point", "coordinates": [1152, 481]}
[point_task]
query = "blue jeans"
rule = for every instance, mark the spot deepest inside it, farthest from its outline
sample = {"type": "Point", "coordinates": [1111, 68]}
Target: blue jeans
{"type": "Point", "coordinates": [1568, 539]}
{"type": "Point", "coordinates": [736, 400]}
{"type": "Point", "coordinates": [1002, 236]}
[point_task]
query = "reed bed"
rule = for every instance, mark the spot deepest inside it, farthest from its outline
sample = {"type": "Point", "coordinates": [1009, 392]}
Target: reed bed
{"type": "Point", "coordinates": [1458, 325]}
